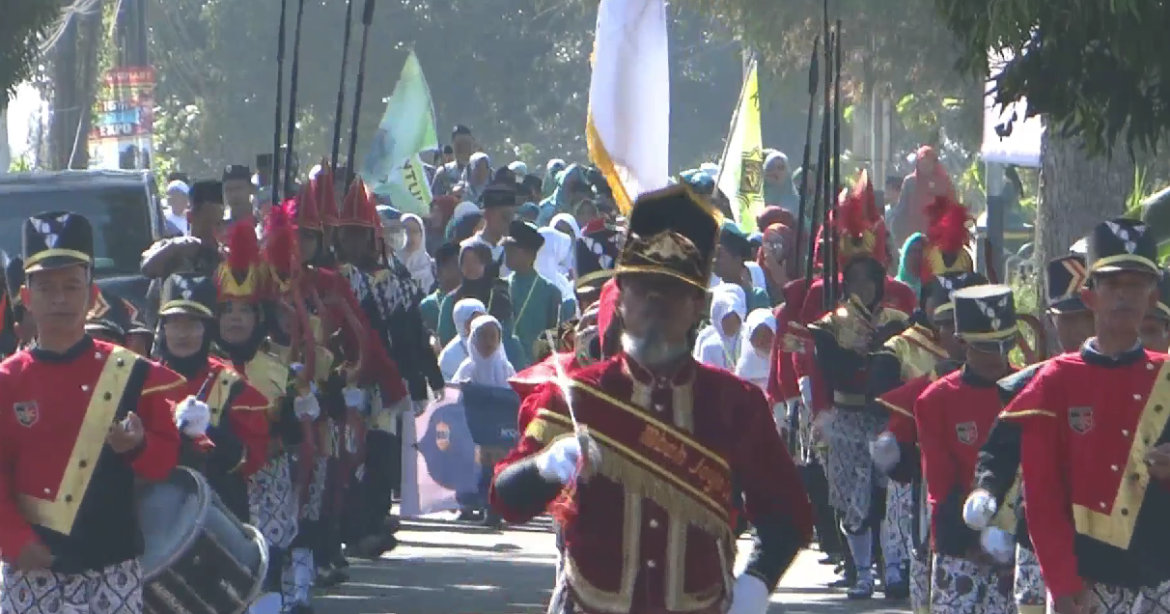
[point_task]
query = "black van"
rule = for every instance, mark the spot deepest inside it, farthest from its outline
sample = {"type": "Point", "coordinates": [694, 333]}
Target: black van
{"type": "Point", "coordinates": [122, 206]}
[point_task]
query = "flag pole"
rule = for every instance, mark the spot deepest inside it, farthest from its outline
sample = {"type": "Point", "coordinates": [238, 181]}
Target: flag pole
{"type": "Point", "coordinates": [337, 116]}
{"type": "Point", "coordinates": [367, 21]}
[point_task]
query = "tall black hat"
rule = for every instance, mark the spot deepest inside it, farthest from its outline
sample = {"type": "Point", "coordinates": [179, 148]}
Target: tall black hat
{"type": "Point", "coordinates": [524, 235]}
{"type": "Point", "coordinates": [672, 232]}
{"type": "Point", "coordinates": [942, 288]}
{"type": "Point", "coordinates": [188, 294]}
{"type": "Point", "coordinates": [1122, 245]}
{"type": "Point", "coordinates": [108, 316]}
{"type": "Point", "coordinates": [1067, 275]}
{"type": "Point", "coordinates": [55, 240]}
{"type": "Point", "coordinates": [500, 193]}
{"type": "Point", "coordinates": [986, 314]}
{"type": "Point", "coordinates": [206, 191]}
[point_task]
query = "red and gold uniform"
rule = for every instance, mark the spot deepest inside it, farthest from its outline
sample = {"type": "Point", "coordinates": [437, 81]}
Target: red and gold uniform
{"type": "Point", "coordinates": [954, 416]}
{"type": "Point", "coordinates": [651, 531]}
{"type": "Point", "coordinates": [1096, 515]}
{"type": "Point", "coordinates": [61, 484]}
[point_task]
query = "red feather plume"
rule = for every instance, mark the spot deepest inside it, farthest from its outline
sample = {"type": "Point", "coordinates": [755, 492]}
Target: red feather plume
{"type": "Point", "coordinates": [243, 248]}
{"type": "Point", "coordinates": [857, 209]}
{"type": "Point", "coordinates": [280, 235]}
{"type": "Point", "coordinates": [947, 228]}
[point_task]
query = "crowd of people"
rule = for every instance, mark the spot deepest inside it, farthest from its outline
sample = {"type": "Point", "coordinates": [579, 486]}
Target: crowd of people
{"type": "Point", "coordinates": [714, 388]}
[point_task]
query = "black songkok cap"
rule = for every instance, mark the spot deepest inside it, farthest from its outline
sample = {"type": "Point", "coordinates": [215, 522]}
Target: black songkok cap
{"type": "Point", "coordinates": [524, 235]}
{"type": "Point", "coordinates": [237, 172]}
{"type": "Point", "coordinates": [207, 191]}
{"type": "Point", "coordinates": [1066, 278]}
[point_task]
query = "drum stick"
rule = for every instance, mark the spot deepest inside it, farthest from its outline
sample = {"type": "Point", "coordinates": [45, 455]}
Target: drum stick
{"type": "Point", "coordinates": [579, 431]}
{"type": "Point", "coordinates": [201, 396]}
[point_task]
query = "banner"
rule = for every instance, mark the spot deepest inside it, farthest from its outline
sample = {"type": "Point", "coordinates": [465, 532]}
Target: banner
{"type": "Point", "coordinates": [442, 469]}
{"type": "Point", "coordinates": [123, 126]}
{"type": "Point", "coordinates": [392, 168]}
{"type": "Point", "coordinates": [741, 171]}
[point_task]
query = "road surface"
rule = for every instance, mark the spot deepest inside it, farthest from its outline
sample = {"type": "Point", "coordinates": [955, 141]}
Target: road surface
{"type": "Point", "coordinates": [446, 567]}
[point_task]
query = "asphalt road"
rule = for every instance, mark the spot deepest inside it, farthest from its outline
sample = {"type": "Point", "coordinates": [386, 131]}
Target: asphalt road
{"type": "Point", "coordinates": [446, 567]}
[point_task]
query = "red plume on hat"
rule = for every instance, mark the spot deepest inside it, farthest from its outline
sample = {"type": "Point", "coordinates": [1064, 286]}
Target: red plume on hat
{"type": "Point", "coordinates": [281, 246]}
{"type": "Point", "coordinates": [240, 276]}
{"type": "Point", "coordinates": [303, 211]}
{"type": "Point", "coordinates": [947, 238]}
{"type": "Point", "coordinates": [359, 207]}
{"type": "Point", "coordinates": [323, 190]}
{"type": "Point", "coordinates": [858, 222]}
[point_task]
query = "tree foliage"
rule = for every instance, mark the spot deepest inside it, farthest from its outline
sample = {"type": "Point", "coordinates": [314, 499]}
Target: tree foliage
{"type": "Point", "coordinates": [1095, 69]}
{"type": "Point", "coordinates": [516, 71]}
{"type": "Point", "coordinates": [21, 27]}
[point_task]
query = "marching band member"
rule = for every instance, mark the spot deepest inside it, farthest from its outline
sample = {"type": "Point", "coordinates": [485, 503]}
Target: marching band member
{"type": "Point", "coordinates": [953, 416]}
{"type": "Point", "coordinates": [638, 464]}
{"type": "Point", "coordinates": [1155, 330]}
{"type": "Point", "coordinates": [997, 485]}
{"type": "Point", "coordinates": [898, 373]}
{"type": "Point", "coordinates": [1095, 444]}
{"type": "Point", "coordinates": [237, 416]}
{"type": "Point", "coordinates": [914, 353]}
{"type": "Point", "coordinates": [69, 533]}
{"type": "Point", "coordinates": [843, 340]}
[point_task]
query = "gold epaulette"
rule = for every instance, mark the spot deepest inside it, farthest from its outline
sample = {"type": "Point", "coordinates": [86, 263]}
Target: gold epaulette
{"type": "Point", "coordinates": [269, 374]}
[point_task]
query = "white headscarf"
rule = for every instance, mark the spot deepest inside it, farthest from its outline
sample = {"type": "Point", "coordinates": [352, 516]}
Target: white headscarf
{"type": "Point", "coordinates": [722, 350]}
{"type": "Point", "coordinates": [759, 280]}
{"type": "Point", "coordinates": [419, 261]}
{"type": "Point", "coordinates": [753, 364]}
{"type": "Point", "coordinates": [518, 167]}
{"type": "Point", "coordinates": [455, 352]}
{"type": "Point", "coordinates": [719, 287]}
{"type": "Point", "coordinates": [569, 265]}
{"type": "Point", "coordinates": [491, 370]}
{"type": "Point", "coordinates": [556, 249]}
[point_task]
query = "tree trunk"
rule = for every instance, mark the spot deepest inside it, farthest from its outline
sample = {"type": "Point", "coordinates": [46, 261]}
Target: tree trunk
{"type": "Point", "coordinates": [1076, 193]}
{"type": "Point", "coordinates": [66, 106]}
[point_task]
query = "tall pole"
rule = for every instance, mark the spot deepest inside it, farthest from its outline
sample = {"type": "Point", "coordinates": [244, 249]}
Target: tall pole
{"type": "Point", "coordinates": [280, 44]}
{"type": "Point", "coordinates": [367, 21]}
{"type": "Point", "coordinates": [336, 151]}
{"type": "Point", "coordinates": [802, 209]}
{"type": "Point", "coordinates": [290, 135]}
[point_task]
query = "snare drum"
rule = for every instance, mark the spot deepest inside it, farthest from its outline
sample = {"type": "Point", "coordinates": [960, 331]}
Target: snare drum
{"type": "Point", "coordinates": [199, 558]}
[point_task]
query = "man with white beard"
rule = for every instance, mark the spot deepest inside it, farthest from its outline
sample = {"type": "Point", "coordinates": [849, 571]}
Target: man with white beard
{"type": "Point", "coordinates": [641, 456]}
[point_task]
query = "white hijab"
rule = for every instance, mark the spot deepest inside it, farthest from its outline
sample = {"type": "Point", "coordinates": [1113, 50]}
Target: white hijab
{"type": "Point", "coordinates": [753, 364]}
{"type": "Point", "coordinates": [557, 248]}
{"type": "Point", "coordinates": [455, 351]}
{"type": "Point", "coordinates": [718, 287]}
{"type": "Point", "coordinates": [418, 262]}
{"type": "Point", "coordinates": [491, 370]}
{"type": "Point", "coordinates": [568, 266]}
{"type": "Point", "coordinates": [722, 350]}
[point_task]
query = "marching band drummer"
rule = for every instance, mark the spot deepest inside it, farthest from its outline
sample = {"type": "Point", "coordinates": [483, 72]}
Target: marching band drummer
{"type": "Point", "coordinates": [643, 490]}
{"type": "Point", "coordinates": [87, 419]}
{"type": "Point", "coordinates": [237, 423]}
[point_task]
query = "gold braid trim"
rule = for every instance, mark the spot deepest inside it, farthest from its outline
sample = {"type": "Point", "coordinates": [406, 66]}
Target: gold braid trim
{"type": "Point", "coordinates": [639, 480]}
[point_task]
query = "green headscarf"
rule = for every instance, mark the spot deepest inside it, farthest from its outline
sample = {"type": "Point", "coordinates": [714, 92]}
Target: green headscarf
{"type": "Point", "coordinates": [905, 275]}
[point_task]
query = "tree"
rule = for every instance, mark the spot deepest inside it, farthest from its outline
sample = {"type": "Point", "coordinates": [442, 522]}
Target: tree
{"type": "Point", "coordinates": [516, 71]}
{"type": "Point", "coordinates": [21, 29]}
{"type": "Point", "coordinates": [1091, 69]}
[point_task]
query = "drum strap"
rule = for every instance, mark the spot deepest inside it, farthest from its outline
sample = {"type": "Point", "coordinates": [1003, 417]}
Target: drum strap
{"type": "Point", "coordinates": [133, 389]}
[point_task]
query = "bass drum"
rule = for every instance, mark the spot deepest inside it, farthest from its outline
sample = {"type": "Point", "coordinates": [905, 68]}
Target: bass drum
{"type": "Point", "coordinates": [199, 558]}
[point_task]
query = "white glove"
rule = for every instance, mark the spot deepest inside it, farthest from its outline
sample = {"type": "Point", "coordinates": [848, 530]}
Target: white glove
{"type": "Point", "coordinates": [806, 391]}
{"type": "Point", "coordinates": [355, 398]}
{"type": "Point", "coordinates": [559, 461]}
{"type": "Point", "coordinates": [297, 368]}
{"type": "Point", "coordinates": [193, 416]}
{"type": "Point", "coordinates": [307, 407]}
{"type": "Point", "coordinates": [885, 451]}
{"type": "Point", "coordinates": [749, 596]}
{"type": "Point", "coordinates": [979, 509]}
{"type": "Point", "coordinates": [998, 543]}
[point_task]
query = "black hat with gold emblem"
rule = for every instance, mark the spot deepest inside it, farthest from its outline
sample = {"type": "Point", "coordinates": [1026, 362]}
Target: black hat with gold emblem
{"type": "Point", "coordinates": [672, 232]}
{"type": "Point", "coordinates": [56, 240]}
{"type": "Point", "coordinates": [1067, 276]}
{"type": "Point", "coordinates": [188, 294]}
{"type": "Point", "coordinates": [1121, 245]}
{"type": "Point", "coordinates": [985, 315]}
{"type": "Point", "coordinates": [941, 289]}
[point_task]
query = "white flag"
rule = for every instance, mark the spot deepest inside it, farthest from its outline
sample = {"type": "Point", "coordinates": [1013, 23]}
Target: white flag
{"type": "Point", "coordinates": [628, 128]}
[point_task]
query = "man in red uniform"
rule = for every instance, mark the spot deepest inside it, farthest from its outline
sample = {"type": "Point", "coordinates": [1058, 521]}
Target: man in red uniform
{"type": "Point", "coordinates": [1096, 443]}
{"type": "Point", "coordinates": [80, 421]}
{"type": "Point", "coordinates": [953, 416]}
{"type": "Point", "coordinates": [236, 412]}
{"type": "Point", "coordinates": [637, 454]}
{"type": "Point", "coordinates": [997, 487]}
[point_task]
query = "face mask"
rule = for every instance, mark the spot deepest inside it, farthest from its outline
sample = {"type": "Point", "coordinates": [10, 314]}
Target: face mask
{"type": "Point", "coordinates": [396, 239]}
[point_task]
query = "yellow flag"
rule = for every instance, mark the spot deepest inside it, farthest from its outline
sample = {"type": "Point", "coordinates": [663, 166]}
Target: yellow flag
{"type": "Point", "coordinates": [741, 172]}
